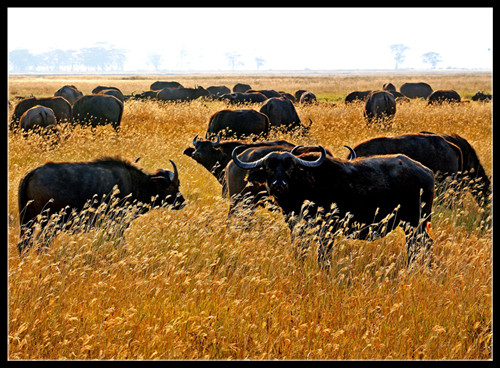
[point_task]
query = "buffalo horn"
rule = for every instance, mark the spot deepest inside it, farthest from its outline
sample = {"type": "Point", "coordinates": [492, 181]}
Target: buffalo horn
{"type": "Point", "coordinates": [352, 155]}
{"type": "Point", "coordinates": [314, 163]}
{"type": "Point", "coordinates": [216, 143]}
{"type": "Point", "coordinates": [195, 140]}
{"type": "Point", "coordinates": [175, 180]}
{"type": "Point", "coordinates": [294, 150]}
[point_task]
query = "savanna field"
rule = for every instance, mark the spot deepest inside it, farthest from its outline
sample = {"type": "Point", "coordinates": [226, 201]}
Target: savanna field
{"type": "Point", "coordinates": [188, 284]}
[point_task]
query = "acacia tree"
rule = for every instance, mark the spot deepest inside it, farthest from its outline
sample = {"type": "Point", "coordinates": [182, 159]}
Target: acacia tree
{"type": "Point", "coordinates": [398, 50]}
{"type": "Point", "coordinates": [233, 59]}
{"type": "Point", "coordinates": [431, 58]}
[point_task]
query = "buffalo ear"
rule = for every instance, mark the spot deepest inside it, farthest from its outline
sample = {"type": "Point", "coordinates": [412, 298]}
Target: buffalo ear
{"type": "Point", "coordinates": [189, 151]}
{"type": "Point", "coordinates": [256, 176]}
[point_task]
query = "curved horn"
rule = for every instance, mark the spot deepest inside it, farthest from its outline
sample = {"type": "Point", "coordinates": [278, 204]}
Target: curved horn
{"type": "Point", "coordinates": [247, 165]}
{"type": "Point", "coordinates": [175, 180]}
{"type": "Point", "coordinates": [294, 150]}
{"type": "Point", "coordinates": [352, 155]}
{"type": "Point", "coordinates": [310, 123]}
{"type": "Point", "coordinates": [195, 140]}
{"type": "Point", "coordinates": [315, 163]}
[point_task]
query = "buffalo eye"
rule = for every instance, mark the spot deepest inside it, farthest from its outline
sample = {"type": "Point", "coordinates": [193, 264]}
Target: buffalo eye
{"type": "Point", "coordinates": [257, 176]}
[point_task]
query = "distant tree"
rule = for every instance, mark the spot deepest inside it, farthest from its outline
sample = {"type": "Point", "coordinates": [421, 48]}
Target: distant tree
{"type": "Point", "coordinates": [22, 60]}
{"type": "Point", "coordinates": [233, 59]}
{"type": "Point", "coordinates": [259, 62]}
{"type": "Point", "coordinates": [398, 50]}
{"type": "Point", "coordinates": [431, 58]}
{"type": "Point", "coordinates": [155, 60]}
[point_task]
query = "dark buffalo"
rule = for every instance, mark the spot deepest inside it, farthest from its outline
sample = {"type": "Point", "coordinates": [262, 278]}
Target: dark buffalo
{"type": "Point", "coordinates": [416, 90]}
{"type": "Point", "coordinates": [37, 117]}
{"type": "Point", "coordinates": [243, 97]}
{"type": "Point", "coordinates": [69, 92]}
{"type": "Point", "coordinates": [282, 114]}
{"type": "Point", "coordinates": [113, 92]}
{"type": "Point", "coordinates": [74, 186]}
{"type": "Point", "coordinates": [389, 87]}
{"type": "Point", "coordinates": [365, 197]}
{"type": "Point", "coordinates": [241, 87]}
{"type": "Point", "coordinates": [61, 107]}
{"type": "Point", "coordinates": [160, 85]}
{"type": "Point", "coordinates": [299, 93]}
{"type": "Point", "coordinates": [214, 156]}
{"type": "Point", "coordinates": [379, 106]}
{"type": "Point", "coordinates": [266, 92]}
{"type": "Point", "coordinates": [102, 88]}
{"type": "Point", "coordinates": [288, 96]}
{"type": "Point", "coordinates": [471, 168]}
{"type": "Point", "coordinates": [480, 96]}
{"type": "Point", "coordinates": [443, 96]}
{"type": "Point", "coordinates": [97, 110]}
{"type": "Point", "coordinates": [238, 124]}
{"type": "Point", "coordinates": [151, 94]}
{"type": "Point", "coordinates": [357, 96]}
{"type": "Point", "coordinates": [307, 98]}
{"type": "Point", "coordinates": [217, 91]}
{"type": "Point", "coordinates": [181, 94]}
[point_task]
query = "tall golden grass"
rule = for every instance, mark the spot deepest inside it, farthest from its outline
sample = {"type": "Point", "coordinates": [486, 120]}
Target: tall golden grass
{"type": "Point", "coordinates": [188, 284]}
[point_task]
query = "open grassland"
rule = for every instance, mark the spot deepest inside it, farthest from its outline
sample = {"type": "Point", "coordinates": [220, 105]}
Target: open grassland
{"type": "Point", "coordinates": [189, 285]}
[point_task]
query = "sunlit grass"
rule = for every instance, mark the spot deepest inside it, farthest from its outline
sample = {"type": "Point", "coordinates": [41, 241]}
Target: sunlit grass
{"type": "Point", "coordinates": [188, 284]}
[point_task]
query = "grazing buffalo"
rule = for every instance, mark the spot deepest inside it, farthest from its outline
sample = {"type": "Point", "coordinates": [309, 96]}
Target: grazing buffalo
{"type": "Point", "coordinates": [416, 90]}
{"type": "Point", "coordinates": [181, 94]}
{"type": "Point", "coordinates": [37, 117]}
{"type": "Point", "coordinates": [288, 96]}
{"type": "Point", "coordinates": [443, 96]}
{"type": "Point", "coordinates": [69, 92]}
{"type": "Point", "coordinates": [389, 87]}
{"type": "Point", "coordinates": [61, 107]}
{"type": "Point", "coordinates": [102, 88]}
{"type": "Point", "coordinates": [74, 186]}
{"type": "Point", "coordinates": [307, 98]}
{"type": "Point", "coordinates": [241, 87]}
{"type": "Point", "coordinates": [238, 124]}
{"type": "Point", "coordinates": [266, 92]}
{"type": "Point", "coordinates": [217, 91]}
{"type": "Point", "coordinates": [366, 198]}
{"type": "Point", "coordinates": [480, 96]}
{"type": "Point", "coordinates": [243, 97]}
{"type": "Point", "coordinates": [282, 114]}
{"type": "Point", "coordinates": [471, 168]}
{"type": "Point", "coordinates": [97, 110]}
{"type": "Point", "coordinates": [112, 92]}
{"type": "Point", "coordinates": [357, 96]}
{"type": "Point", "coordinates": [299, 93]}
{"type": "Point", "coordinates": [160, 85]}
{"type": "Point", "coordinates": [379, 106]}
{"type": "Point", "coordinates": [151, 94]}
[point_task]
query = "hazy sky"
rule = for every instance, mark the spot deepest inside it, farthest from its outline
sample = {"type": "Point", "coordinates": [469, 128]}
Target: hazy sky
{"type": "Point", "coordinates": [285, 38]}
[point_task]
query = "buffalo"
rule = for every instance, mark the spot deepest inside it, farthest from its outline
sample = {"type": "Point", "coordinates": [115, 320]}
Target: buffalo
{"type": "Point", "coordinates": [389, 87]}
{"type": "Point", "coordinates": [112, 92]}
{"type": "Point", "coordinates": [266, 92]}
{"type": "Point", "coordinates": [98, 89]}
{"type": "Point", "coordinates": [61, 107]}
{"type": "Point", "coordinates": [307, 98]}
{"type": "Point", "coordinates": [379, 106]}
{"type": "Point", "coordinates": [243, 97]}
{"type": "Point", "coordinates": [160, 85]}
{"type": "Point", "coordinates": [151, 94]}
{"type": "Point", "coordinates": [217, 91]}
{"type": "Point", "coordinates": [282, 114]}
{"type": "Point", "coordinates": [471, 168]}
{"type": "Point", "coordinates": [357, 96]}
{"type": "Point", "coordinates": [37, 117]}
{"type": "Point", "coordinates": [480, 96]}
{"type": "Point", "coordinates": [70, 93]}
{"type": "Point", "coordinates": [97, 110]}
{"type": "Point", "coordinates": [366, 198]}
{"type": "Point", "coordinates": [298, 94]}
{"type": "Point", "coordinates": [443, 96]}
{"type": "Point", "coordinates": [181, 94]}
{"type": "Point", "coordinates": [416, 90]}
{"type": "Point", "coordinates": [56, 192]}
{"type": "Point", "coordinates": [238, 123]}
{"type": "Point", "coordinates": [215, 156]}
{"type": "Point", "coordinates": [241, 87]}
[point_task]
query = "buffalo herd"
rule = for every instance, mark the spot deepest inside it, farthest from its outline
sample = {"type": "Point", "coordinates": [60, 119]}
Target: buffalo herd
{"type": "Point", "coordinates": [383, 183]}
